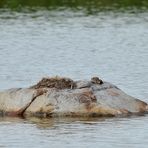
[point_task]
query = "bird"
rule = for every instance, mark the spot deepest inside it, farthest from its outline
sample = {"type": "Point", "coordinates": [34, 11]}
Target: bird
{"type": "Point", "coordinates": [96, 80]}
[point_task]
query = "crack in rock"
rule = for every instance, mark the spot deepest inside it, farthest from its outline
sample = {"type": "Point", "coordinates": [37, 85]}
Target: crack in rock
{"type": "Point", "coordinates": [39, 92]}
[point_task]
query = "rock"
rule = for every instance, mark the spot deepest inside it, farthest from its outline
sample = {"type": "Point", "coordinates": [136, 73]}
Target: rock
{"type": "Point", "coordinates": [13, 102]}
{"type": "Point", "coordinates": [83, 84]}
{"type": "Point", "coordinates": [58, 97]}
{"type": "Point", "coordinates": [68, 103]}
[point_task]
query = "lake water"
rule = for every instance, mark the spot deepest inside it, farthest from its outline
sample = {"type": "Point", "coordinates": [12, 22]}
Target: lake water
{"type": "Point", "coordinates": [65, 42]}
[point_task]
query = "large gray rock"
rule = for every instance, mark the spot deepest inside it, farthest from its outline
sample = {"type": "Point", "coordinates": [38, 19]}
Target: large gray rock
{"type": "Point", "coordinates": [85, 99]}
{"type": "Point", "coordinates": [13, 102]}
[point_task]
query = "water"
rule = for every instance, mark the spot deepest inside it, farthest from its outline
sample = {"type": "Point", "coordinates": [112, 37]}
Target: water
{"type": "Point", "coordinates": [77, 43]}
{"type": "Point", "coordinates": [83, 133]}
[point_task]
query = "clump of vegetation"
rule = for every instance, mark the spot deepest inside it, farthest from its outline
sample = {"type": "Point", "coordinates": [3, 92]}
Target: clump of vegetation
{"type": "Point", "coordinates": [55, 82]}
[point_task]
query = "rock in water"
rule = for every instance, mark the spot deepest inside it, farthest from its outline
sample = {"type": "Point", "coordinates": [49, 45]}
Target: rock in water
{"type": "Point", "coordinates": [57, 96]}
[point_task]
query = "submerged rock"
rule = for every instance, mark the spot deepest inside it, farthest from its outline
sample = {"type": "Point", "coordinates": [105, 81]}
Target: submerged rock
{"type": "Point", "coordinates": [56, 96]}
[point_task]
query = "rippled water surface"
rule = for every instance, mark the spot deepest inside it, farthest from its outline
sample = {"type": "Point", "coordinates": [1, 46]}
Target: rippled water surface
{"type": "Point", "coordinates": [65, 42]}
{"type": "Point", "coordinates": [110, 133]}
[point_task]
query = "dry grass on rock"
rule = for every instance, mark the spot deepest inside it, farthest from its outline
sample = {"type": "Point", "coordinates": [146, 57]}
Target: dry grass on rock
{"type": "Point", "coordinates": [55, 82]}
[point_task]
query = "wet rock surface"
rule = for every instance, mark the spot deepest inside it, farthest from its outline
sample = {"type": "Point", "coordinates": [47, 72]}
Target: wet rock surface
{"type": "Point", "coordinates": [58, 96]}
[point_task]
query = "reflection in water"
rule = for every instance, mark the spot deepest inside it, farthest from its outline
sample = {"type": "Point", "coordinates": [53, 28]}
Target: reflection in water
{"type": "Point", "coordinates": [10, 120]}
{"type": "Point", "coordinates": [82, 133]}
{"type": "Point", "coordinates": [51, 122]}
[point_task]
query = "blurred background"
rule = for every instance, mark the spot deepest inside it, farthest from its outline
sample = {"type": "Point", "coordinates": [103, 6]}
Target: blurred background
{"type": "Point", "coordinates": [90, 6]}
